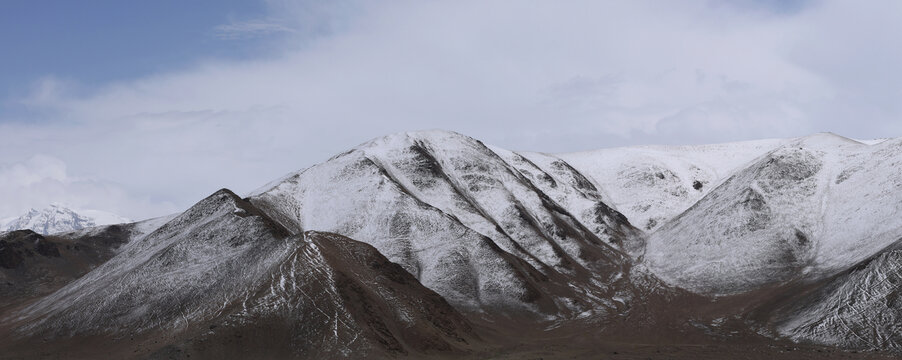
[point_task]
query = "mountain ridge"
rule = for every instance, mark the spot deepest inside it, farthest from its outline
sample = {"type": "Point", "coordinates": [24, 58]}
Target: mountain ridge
{"type": "Point", "coordinates": [754, 247]}
{"type": "Point", "coordinates": [237, 270]}
{"type": "Point", "coordinates": [445, 174]}
{"type": "Point", "coordinates": [57, 218]}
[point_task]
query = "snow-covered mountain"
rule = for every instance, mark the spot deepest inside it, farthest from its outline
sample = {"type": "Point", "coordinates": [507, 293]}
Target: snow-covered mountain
{"type": "Point", "coordinates": [58, 218]}
{"type": "Point", "coordinates": [653, 184]}
{"type": "Point", "coordinates": [432, 242]}
{"type": "Point", "coordinates": [808, 209]}
{"type": "Point", "coordinates": [858, 309]}
{"type": "Point", "coordinates": [488, 230]}
{"type": "Point", "coordinates": [224, 265]}
{"type": "Point", "coordinates": [34, 265]}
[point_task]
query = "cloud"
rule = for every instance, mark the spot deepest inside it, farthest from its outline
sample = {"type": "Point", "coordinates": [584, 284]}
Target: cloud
{"type": "Point", "coordinates": [42, 180]}
{"type": "Point", "coordinates": [544, 76]}
{"type": "Point", "coordinates": [468, 63]}
{"type": "Point", "coordinates": [251, 29]}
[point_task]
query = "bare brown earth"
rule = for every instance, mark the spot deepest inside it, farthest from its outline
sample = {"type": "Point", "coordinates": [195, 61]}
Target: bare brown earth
{"type": "Point", "coordinates": [671, 324]}
{"type": "Point", "coordinates": [664, 324]}
{"type": "Point", "coordinates": [662, 332]}
{"type": "Point", "coordinates": [33, 265]}
{"type": "Point", "coordinates": [266, 343]}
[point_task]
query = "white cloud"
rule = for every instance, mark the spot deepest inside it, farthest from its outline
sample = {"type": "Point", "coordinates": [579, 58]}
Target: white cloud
{"type": "Point", "coordinates": [545, 76]}
{"type": "Point", "coordinates": [251, 29]}
{"type": "Point", "coordinates": [42, 180]}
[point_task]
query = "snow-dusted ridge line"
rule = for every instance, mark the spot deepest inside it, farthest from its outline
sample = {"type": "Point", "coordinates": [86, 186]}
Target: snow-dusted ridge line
{"type": "Point", "coordinates": [57, 218]}
{"type": "Point", "coordinates": [464, 220]}
{"type": "Point", "coordinates": [810, 208]}
{"type": "Point", "coordinates": [226, 263]}
{"type": "Point", "coordinates": [520, 235]}
{"type": "Point", "coordinates": [653, 184]}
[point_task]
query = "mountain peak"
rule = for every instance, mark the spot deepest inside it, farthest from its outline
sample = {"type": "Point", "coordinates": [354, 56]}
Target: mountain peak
{"type": "Point", "coordinates": [791, 239]}
{"type": "Point", "coordinates": [440, 136]}
{"type": "Point", "coordinates": [826, 139]}
{"type": "Point", "coordinates": [58, 217]}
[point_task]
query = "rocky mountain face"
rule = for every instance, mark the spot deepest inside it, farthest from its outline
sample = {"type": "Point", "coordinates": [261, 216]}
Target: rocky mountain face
{"type": "Point", "coordinates": [224, 267]}
{"type": "Point", "coordinates": [432, 244]}
{"type": "Point", "coordinates": [58, 218]}
{"type": "Point", "coordinates": [806, 210]}
{"type": "Point", "coordinates": [859, 308]}
{"type": "Point", "coordinates": [33, 265]}
{"type": "Point", "coordinates": [473, 226]}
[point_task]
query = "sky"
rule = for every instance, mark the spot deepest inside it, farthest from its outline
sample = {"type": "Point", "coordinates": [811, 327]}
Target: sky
{"type": "Point", "coordinates": [143, 108]}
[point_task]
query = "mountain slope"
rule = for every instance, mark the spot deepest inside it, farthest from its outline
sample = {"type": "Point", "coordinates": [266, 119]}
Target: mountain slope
{"type": "Point", "coordinates": [653, 184]}
{"type": "Point", "coordinates": [468, 224]}
{"type": "Point", "coordinates": [808, 209]}
{"type": "Point", "coordinates": [34, 265]}
{"type": "Point", "coordinates": [224, 269]}
{"type": "Point", "coordinates": [571, 190]}
{"type": "Point", "coordinates": [57, 218]}
{"type": "Point", "coordinates": [472, 250]}
{"type": "Point", "coordinates": [858, 309]}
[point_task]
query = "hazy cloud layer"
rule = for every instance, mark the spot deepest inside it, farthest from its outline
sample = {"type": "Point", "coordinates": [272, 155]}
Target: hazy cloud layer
{"type": "Point", "coordinates": [543, 76]}
{"type": "Point", "coordinates": [42, 180]}
{"type": "Point", "coordinates": [251, 29]}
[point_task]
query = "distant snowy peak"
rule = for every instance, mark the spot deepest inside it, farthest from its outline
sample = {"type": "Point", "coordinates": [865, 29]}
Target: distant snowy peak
{"type": "Point", "coordinates": [58, 218]}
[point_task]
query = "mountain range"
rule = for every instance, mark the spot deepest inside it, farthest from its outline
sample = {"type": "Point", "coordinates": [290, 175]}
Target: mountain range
{"type": "Point", "coordinates": [57, 218]}
{"type": "Point", "coordinates": [433, 244]}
